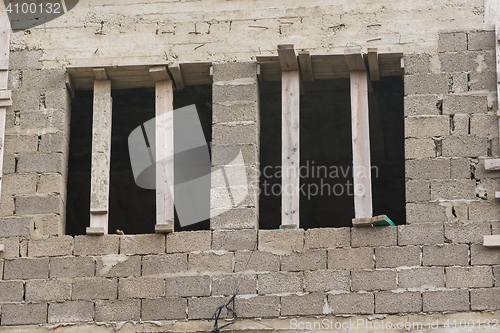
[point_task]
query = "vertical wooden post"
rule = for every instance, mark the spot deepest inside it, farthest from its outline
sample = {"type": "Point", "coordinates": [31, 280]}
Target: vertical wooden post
{"type": "Point", "coordinates": [164, 143]}
{"type": "Point", "coordinates": [5, 98]}
{"type": "Point", "coordinates": [101, 155]}
{"type": "Point", "coordinates": [290, 151]}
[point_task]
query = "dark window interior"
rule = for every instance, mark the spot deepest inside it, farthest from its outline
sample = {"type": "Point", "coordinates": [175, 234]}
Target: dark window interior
{"type": "Point", "coordinates": [131, 208]}
{"type": "Point", "coordinates": [326, 150]}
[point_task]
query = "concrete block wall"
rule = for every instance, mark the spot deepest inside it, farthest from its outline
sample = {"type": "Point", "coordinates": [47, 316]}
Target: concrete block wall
{"type": "Point", "coordinates": [451, 128]}
{"type": "Point", "coordinates": [342, 271]}
{"type": "Point", "coordinates": [36, 149]}
{"type": "Point", "coordinates": [235, 132]}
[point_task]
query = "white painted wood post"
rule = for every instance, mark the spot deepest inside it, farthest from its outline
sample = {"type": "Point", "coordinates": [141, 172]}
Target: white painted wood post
{"type": "Point", "coordinates": [290, 150]}
{"type": "Point", "coordinates": [164, 145]}
{"type": "Point", "coordinates": [101, 155]}
{"type": "Point", "coordinates": [5, 95]}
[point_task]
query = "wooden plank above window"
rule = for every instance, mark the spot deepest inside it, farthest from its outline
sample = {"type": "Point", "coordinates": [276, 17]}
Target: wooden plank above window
{"type": "Point", "coordinates": [329, 66]}
{"type": "Point", "coordinates": [138, 76]}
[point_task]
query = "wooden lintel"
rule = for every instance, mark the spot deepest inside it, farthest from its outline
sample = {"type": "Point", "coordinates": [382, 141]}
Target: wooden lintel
{"type": "Point", "coordinates": [354, 59]}
{"type": "Point", "coordinates": [373, 65]}
{"type": "Point", "coordinates": [491, 240]}
{"type": "Point", "coordinates": [175, 71]}
{"type": "Point", "coordinates": [290, 151]}
{"type": "Point", "coordinates": [159, 73]}
{"type": "Point", "coordinates": [100, 74]}
{"type": "Point", "coordinates": [70, 86]}
{"type": "Point", "coordinates": [306, 66]}
{"type": "Point", "coordinates": [288, 57]}
{"type": "Point", "coordinates": [492, 164]}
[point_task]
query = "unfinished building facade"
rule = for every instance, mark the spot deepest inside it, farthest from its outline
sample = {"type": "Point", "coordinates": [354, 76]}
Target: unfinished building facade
{"type": "Point", "coordinates": [89, 237]}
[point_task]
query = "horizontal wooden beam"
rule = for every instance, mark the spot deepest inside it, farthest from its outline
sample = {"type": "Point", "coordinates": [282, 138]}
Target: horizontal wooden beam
{"type": "Point", "coordinates": [354, 60]}
{"type": "Point", "coordinates": [159, 73]}
{"type": "Point", "coordinates": [373, 64]}
{"type": "Point", "coordinates": [175, 71]}
{"type": "Point", "coordinates": [306, 66]}
{"type": "Point", "coordinates": [70, 86]}
{"type": "Point", "coordinates": [491, 241]}
{"type": "Point", "coordinates": [100, 74]}
{"type": "Point", "coordinates": [288, 57]}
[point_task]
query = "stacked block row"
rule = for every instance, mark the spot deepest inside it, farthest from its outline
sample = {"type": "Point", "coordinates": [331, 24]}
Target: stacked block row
{"type": "Point", "coordinates": [186, 275]}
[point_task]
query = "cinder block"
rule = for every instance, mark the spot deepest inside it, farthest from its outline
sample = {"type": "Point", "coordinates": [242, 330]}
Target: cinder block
{"type": "Point", "coordinates": [47, 290]}
{"type": "Point", "coordinates": [396, 256]}
{"type": "Point", "coordinates": [445, 255]}
{"type": "Point", "coordinates": [225, 153]}
{"type": "Point", "coordinates": [454, 62]}
{"type": "Point", "coordinates": [281, 240]}
{"type": "Point", "coordinates": [418, 190]}
{"type": "Point", "coordinates": [460, 124]}
{"type": "Point", "coordinates": [238, 218]}
{"type": "Point", "coordinates": [188, 286]}
{"type": "Point", "coordinates": [425, 212]}
{"type": "Point", "coordinates": [280, 282]}
{"type": "Point", "coordinates": [484, 210]}
{"type": "Point", "coordinates": [1, 270]}
{"type": "Point", "coordinates": [426, 84]}
{"type": "Point", "coordinates": [25, 268]}
{"type": "Point", "coordinates": [49, 224]}
{"type": "Point", "coordinates": [229, 93]}
{"type": "Point", "coordinates": [187, 241]}
{"type": "Point", "coordinates": [233, 240]}
{"type": "Point", "coordinates": [419, 148]}
{"type": "Point", "coordinates": [235, 111]}
{"type": "Point", "coordinates": [204, 307]}
{"type": "Point", "coordinates": [420, 126]}
{"type": "Point", "coordinates": [453, 189]}
{"type": "Point", "coordinates": [453, 41]}
{"type": "Point", "coordinates": [241, 133]}
{"type": "Point", "coordinates": [436, 168]}
{"type": "Point", "coordinates": [6, 205]}
{"type": "Point", "coordinates": [128, 310]}
{"type": "Point", "coordinates": [71, 312]}
{"type": "Point", "coordinates": [374, 236]}
{"type": "Point", "coordinates": [466, 233]}
{"type": "Point", "coordinates": [304, 305]}
{"type": "Point", "coordinates": [22, 100]}
{"type": "Point", "coordinates": [481, 40]}
{"type": "Point", "coordinates": [14, 80]}
{"type": "Point", "coordinates": [15, 226]}
{"type": "Point", "coordinates": [142, 244]}
{"type": "Point", "coordinates": [51, 247]}
{"type": "Point", "coordinates": [469, 277]}
{"type": "Point", "coordinates": [419, 234]}
{"type": "Point", "coordinates": [54, 143]}
{"type": "Point", "coordinates": [38, 121]}
{"type": "Point", "coordinates": [211, 262]}
{"type": "Point", "coordinates": [39, 204]}
{"type": "Point", "coordinates": [258, 307]}
{"type": "Point", "coordinates": [164, 309]}
{"type": "Point", "coordinates": [389, 302]}
{"type": "Point", "coordinates": [459, 82]}
{"type": "Point", "coordinates": [465, 146]}
{"type": "Point", "coordinates": [96, 245]}
{"type": "Point", "coordinates": [141, 287]}
{"type": "Point", "coordinates": [485, 299]}
{"type": "Point", "coordinates": [327, 280]}
{"type": "Point", "coordinates": [11, 248]}
{"type": "Point", "coordinates": [71, 267]}
{"type": "Point", "coordinates": [9, 163]}
{"type": "Point", "coordinates": [486, 188]}
{"type": "Point", "coordinates": [57, 99]}
{"type": "Point", "coordinates": [21, 143]}
{"type": "Point", "coordinates": [227, 285]}
{"type": "Point", "coordinates": [324, 238]}
{"type": "Point", "coordinates": [118, 266]}
{"type": "Point", "coordinates": [484, 125]}
{"type": "Point", "coordinates": [24, 314]}
{"type": "Point", "coordinates": [417, 63]}
{"type": "Point", "coordinates": [304, 261]}
{"type": "Point", "coordinates": [419, 105]}
{"type": "Point", "coordinates": [25, 59]}
{"type": "Point", "coordinates": [421, 278]}
{"type": "Point", "coordinates": [41, 162]}
{"type": "Point", "coordinates": [352, 303]}
{"type": "Point", "coordinates": [11, 291]}
{"type": "Point", "coordinates": [256, 261]}
{"type": "Point", "coordinates": [44, 79]}
{"type": "Point", "coordinates": [94, 288]}
{"type": "Point", "coordinates": [234, 70]}
{"type": "Point", "coordinates": [453, 104]}
{"type": "Point", "coordinates": [481, 255]}
{"type": "Point", "coordinates": [460, 168]}
{"type": "Point", "coordinates": [453, 300]}
{"type": "Point", "coordinates": [164, 263]}
{"type": "Point", "coordinates": [51, 183]}
{"type": "Point", "coordinates": [483, 81]}
{"type": "Point", "coordinates": [373, 280]}
{"type": "Point", "coordinates": [351, 258]}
